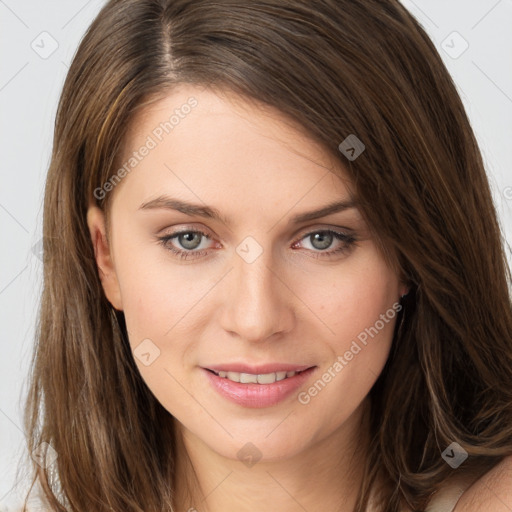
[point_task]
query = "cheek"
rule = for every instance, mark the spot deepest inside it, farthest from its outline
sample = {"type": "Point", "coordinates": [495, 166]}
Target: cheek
{"type": "Point", "coordinates": [163, 308]}
{"type": "Point", "coordinates": [366, 318]}
{"type": "Point", "coordinates": [146, 303]}
{"type": "Point", "coordinates": [360, 304]}
{"type": "Point", "coordinates": [154, 292]}
{"type": "Point", "coordinates": [361, 311]}
{"type": "Point", "coordinates": [155, 308]}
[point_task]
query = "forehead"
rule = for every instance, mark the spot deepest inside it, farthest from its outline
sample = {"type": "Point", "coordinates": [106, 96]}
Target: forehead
{"type": "Point", "coordinates": [205, 145]}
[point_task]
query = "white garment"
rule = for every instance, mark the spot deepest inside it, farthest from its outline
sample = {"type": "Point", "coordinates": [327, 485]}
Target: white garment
{"type": "Point", "coordinates": [446, 499]}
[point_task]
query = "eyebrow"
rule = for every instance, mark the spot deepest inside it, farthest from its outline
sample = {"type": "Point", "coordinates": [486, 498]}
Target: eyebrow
{"type": "Point", "coordinates": [169, 203]}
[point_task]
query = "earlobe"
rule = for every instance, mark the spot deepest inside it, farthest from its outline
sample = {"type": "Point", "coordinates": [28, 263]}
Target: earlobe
{"type": "Point", "coordinates": [404, 291]}
{"type": "Point", "coordinates": [103, 256]}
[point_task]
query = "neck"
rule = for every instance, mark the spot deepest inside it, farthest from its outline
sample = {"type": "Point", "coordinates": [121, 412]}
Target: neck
{"type": "Point", "coordinates": [325, 476]}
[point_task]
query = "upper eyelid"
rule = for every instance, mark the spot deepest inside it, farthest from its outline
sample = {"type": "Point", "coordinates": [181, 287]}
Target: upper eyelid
{"type": "Point", "coordinates": [304, 231]}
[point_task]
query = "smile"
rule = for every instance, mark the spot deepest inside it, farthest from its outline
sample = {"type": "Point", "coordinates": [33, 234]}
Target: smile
{"type": "Point", "coordinates": [260, 388]}
{"type": "Point", "coordinates": [250, 378]}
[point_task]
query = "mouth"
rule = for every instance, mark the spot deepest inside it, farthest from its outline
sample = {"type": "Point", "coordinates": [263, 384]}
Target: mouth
{"type": "Point", "coordinates": [256, 378]}
{"type": "Point", "coordinates": [258, 387]}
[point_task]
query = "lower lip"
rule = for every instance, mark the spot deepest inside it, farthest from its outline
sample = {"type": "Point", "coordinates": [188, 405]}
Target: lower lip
{"type": "Point", "coordinates": [257, 395]}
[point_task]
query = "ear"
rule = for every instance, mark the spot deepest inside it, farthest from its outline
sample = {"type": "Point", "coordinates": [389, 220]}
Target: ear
{"type": "Point", "coordinates": [103, 256]}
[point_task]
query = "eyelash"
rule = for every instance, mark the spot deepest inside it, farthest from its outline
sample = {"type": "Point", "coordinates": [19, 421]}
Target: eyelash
{"type": "Point", "coordinates": [348, 240]}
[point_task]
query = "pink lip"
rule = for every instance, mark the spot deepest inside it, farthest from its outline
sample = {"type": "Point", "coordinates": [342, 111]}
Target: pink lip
{"type": "Point", "coordinates": [258, 395]}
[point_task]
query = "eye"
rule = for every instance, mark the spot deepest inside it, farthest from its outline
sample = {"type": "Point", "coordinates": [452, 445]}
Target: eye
{"type": "Point", "coordinates": [323, 239]}
{"type": "Point", "coordinates": [190, 240]}
{"type": "Point", "coordinates": [191, 243]}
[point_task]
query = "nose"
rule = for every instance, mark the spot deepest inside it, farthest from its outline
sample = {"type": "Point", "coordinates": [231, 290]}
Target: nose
{"type": "Point", "coordinates": [258, 303]}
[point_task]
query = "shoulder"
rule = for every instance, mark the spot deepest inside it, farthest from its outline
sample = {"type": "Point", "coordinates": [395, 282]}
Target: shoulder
{"type": "Point", "coordinates": [492, 492]}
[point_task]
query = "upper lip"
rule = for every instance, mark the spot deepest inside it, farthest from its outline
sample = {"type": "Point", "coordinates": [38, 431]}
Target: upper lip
{"type": "Point", "coordinates": [259, 369]}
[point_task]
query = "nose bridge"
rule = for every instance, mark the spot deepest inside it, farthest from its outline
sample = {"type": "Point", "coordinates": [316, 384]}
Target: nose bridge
{"type": "Point", "coordinates": [256, 305]}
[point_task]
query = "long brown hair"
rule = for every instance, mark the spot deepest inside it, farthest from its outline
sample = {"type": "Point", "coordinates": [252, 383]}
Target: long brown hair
{"type": "Point", "coordinates": [334, 67]}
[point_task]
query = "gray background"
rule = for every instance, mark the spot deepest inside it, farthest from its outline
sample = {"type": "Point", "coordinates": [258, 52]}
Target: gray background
{"type": "Point", "coordinates": [38, 40]}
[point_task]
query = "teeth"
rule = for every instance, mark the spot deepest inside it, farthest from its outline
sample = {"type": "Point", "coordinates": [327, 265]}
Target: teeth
{"type": "Point", "coordinates": [234, 376]}
{"type": "Point", "coordinates": [249, 378]}
{"type": "Point", "coordinates": [266, 378]}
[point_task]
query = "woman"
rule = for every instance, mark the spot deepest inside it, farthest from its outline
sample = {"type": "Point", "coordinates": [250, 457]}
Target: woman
{"type": "Point", "coordinates": [274, 278]}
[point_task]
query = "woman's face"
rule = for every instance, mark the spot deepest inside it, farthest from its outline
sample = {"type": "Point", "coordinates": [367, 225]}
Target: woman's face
{"type": "Point", "coordinates": [255, 285]}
